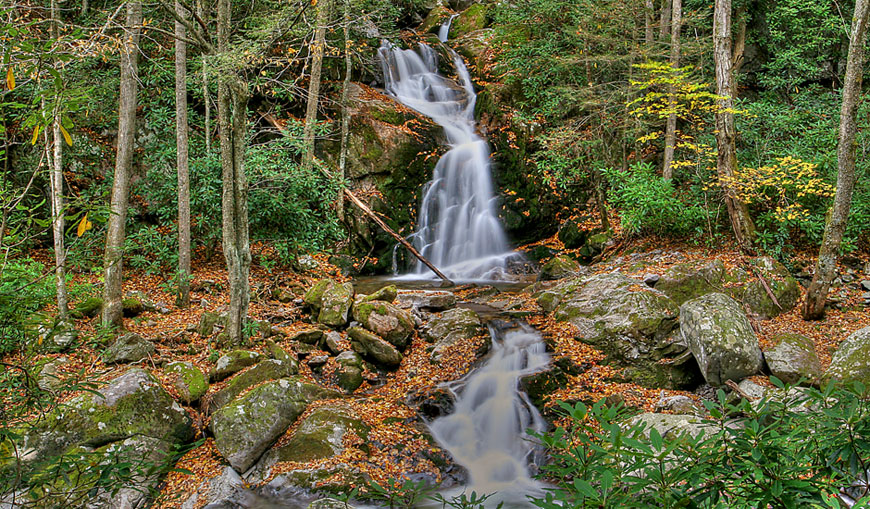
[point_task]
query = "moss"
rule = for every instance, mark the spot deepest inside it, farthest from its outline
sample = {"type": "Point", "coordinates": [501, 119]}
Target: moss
{"type": "Point", "coordinates": [387, 294]}
{"type": "Point", "coordinates": [191, 384]}
{"type": "Point", "coordinates": [390, 116]}
{"type": "Point", "coordinates": [471, 19]}
{"type": "Point", "coordinates": [313, 296]}
{"type": "Point", "coordinates": [88, 308]}
{"type": "Point", "coordinates": [132, 307]}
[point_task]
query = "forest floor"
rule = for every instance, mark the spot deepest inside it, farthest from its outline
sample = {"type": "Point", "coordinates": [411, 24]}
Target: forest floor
{"type": "Point", "coordinates": [381, 402]}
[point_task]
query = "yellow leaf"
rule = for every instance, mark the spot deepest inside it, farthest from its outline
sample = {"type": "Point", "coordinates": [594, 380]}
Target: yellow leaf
{"type": "Point", "coordinates": [66, 136]}
{"type": "Point", "coordinates": [35, 135]}
{"type": "Point", "coordinates": [84, 225]}
{"type": "Point", "coordinates": [10, 79]}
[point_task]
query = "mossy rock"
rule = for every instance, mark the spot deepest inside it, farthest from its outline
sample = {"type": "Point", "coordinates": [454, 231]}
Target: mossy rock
{"type": "Point", "coordinates": [559, 267]}
{"type": "Point", "coordinates": [793, 358]}
{"type": "Point", "coordinates": [851, 361]}
{"type": "Point", "coordinates": [386, 320]}
{"type": "Point", "coordinates": [451, 327]}
{"type": "Point", "coordinates": [471, 19]}
{"type": "Point", "coordinates": [314, 294]}
{"type": "Point", "coordinates": [387, 294]}
{"type": "Point", "coordinates": [269, 369]}
{"type": "Point", "coordinates": [369, 344]}
{"type": "Point", "coordinates": [132, 307]}
{"type": "Point", "coordinates": [232, 363]}
{"type": "Point", "coordinates": [129, 347]}
{"type": "Point", "coordinates": [687, 281]}
{"type": "Point", "coordinates": [436, 17]}
{"type": "Point", "coordinates": [190, 382]}
{"type": "Point", "coordinates": [572, 233]}
{"type": "Point", "coordinates": [208, 321]}
{"type": "Point", "coordinates": [87, 308]}
{"type": "Point", "coordinates": [349, 373]}
{"type": "Point", "coordinates": [330, 302]}
{"type": "Point", "coordinates": [783, 286]}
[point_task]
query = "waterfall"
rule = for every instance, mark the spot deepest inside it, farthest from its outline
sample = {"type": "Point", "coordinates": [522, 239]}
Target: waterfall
{"type": "Point", "coordinates": [444, 31]}
{"type": "Point", "coordinates": [458, 228]}
{"type": "Point", "coordinates": [486, 431]}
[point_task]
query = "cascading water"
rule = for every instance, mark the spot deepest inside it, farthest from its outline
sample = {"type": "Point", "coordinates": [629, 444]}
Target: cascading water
{"type": "Point", "coordinates": [486, 433]}
{"type": "Point", "coordinates": [458, 229]}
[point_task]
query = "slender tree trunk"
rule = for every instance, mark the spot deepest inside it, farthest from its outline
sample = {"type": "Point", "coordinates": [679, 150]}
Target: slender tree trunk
{"type": "Point", "coordinates": [739, 42]}
{"type": "Point", "coordinates": [205, 93]}
{"type": "Point", "coordinates": [671, 127]}
{"type": "Point", "coordinates": [649, 33]}
{"type": "Point", "coordinates": [829, 252]}
{"type": "Point", "coordinates": [84, 7]}
{"type": "Point", "coordinates": [182, 160]}
{"type": "Point", "coordinates": [738, 213]}
{"type": "Point", "coordinates": [317, 48]}
{"type": "Point", "coordinates": [232, 122]}
{"type": "Point", "coordinates": [113, 258]}
{"type": "Point", "coordinates": [56, 194]}
{"type": "Point", "coordinates": [665, 20]}
{"type": "Point", "coordinates": [345, 110]}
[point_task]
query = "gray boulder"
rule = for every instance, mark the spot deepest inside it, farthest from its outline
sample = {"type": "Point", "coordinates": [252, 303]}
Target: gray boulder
{"type": "Point", "coordinates": [430, 300]}
{"type": "Point", "coordinates": [386, 320]}
{"type": "Point", "coordinates": [270, 369]}
{"type": "Point", "coordinates": [689, 281]}
{"type": "Point", "coordinates": [374, 347]}
{"type": "Point", "coordinates": [851, 361]}
{"type": "Point", "coordinates": [721, 338]}
{"type": "Point", "coordinates": [349, 372]}
{"type": "Point", "coordinates": [671, 426]}
{"type": "Point", "coordinates": [189, 381]}
{"type": "Point", "coordinates": [330, 302]}
{"type": "Point", "coordinates": [559, 267]}
{"type": "Point", "coordinates": [129, 347]}
{"type": "Point", "coordinates": [454, 325]}
{"type": "Point", "coordinates": [232, 363]}
{"type": "Point", "coordinates": [793, 358]}
{"type": "Point", "coordinates": [229, 485]}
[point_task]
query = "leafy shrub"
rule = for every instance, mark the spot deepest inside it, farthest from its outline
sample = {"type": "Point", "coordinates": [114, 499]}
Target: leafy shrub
{"type": "Point", "coordinates": [798, 449]}
{"type": "Point", "coordinates": [25, 287]}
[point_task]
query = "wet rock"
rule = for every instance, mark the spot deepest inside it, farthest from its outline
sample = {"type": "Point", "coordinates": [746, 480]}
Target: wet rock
{"type": "Point", "coordinates": [720, 338]}
{"type": "Point", "coordinates": [190, 382]}
{"type": "Point", "coordinates": [436, 17]}
{"type": "Point", "coordinates": [851, 361]}
{"type": "Point", "coordinates": [429, 300]}
{"type": "Point", "coordinates": [386, 320]}
{"type": "Point", "coordinates": [559, 267]}
{"type": "Point", "coordinates": [269, 369]}
{"type": "Point", "coordinates": [454, 325]}
{"type": "Point", "coordinates": [374, 347]}
{"type": "Point", "coordinates": [129, 347]}
{"type": "Point", "coordinates": [793, 358]}
{"type": "Point", "coordinates": [232, 363]}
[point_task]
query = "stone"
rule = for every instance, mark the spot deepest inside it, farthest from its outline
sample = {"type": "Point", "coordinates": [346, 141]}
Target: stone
{"type": "Point", "coordinates": [306, 263]}
{"type": "Point", "coordinates": [349, 372]}
{"type": "Point", "coordinates": [129, 347]}
{"type": "Point", "coordinates": [689, 281]}
{"type": "Point", "coordinates": [329, 503]}
{"type": "Point", "coordinates": [232, 363]}
{"type": "Point", "coordinates": [429, 300]}
{"type": "Point", "coordinates": [307, 336]}
{"type": "Point", "coordinates": [386, 320]}
{"type": "Point", "coordinates": [374, 347]}
{"type": "Point", "coordinates": [451, 327]}
{"type": "Point", "coordinates": [721, 338]}
{"type": "Point", "coordinates": [865, 285]}
{"type": "Point", "coordinates": [228, 485]}
{"type": "Point", "coordinates": [87, 308]}
{"type": "Point", "coordinates": [208, 322]}
{"type": "Point", "coordinates": [269, 369]}
{"type": "Point", "coordinates": [330, 301]}
{"type": "Point", "coordinates": [559, 267]}
{"type": "Point", "coordinates": [436, 17]}
{"type": "Point", "coordinates": [572, 233]}
{"type": "Point", "coordinates": [190, 382]}
{"type": "Point", "coordinates": [651, 280]}
{"type": "Point", "coordinates": [278, 353]}
{"type": "Point", "coordinates": [671, 426]}
{"type": "Point", "coordinates": [677, 404]}
{"type": "Point", "coordinates": [851, 360]}
{"type": "Point", "coordinates": [386, 294]}
{"type": "Point", "coordinates": [244, 429]}
{"type": "Point", "coordinates": [471, 19]}
{"type": "Point", "coordinates": [317, 361]}
{"type": "Point", "coordinates": [783, 286]}
{"type": "Point", "coordinates": [332, 342]}
{"type": "Point", "coordinates": [793, 358]}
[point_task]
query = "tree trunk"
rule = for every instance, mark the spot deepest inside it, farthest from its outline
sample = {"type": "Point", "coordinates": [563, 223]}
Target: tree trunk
{"type": "Point", "coordinates": [232, 122]}
{"type": "Point", "coordinates": [182, 160]}
{"type": "Point", "coordinates": [317, 48]}
{"type": "Point", "coordinates": [829, 252]}
{"type": "Point", "coordinates": [113, 258]}
{"type": "Point", "coordinates": [345, 113]}
{"type": "Point", "coordinates": [649, 33]}
{"type": "Point", "coordinates": [671, 127]}
{"type": "Point", "coordinates": [738, 213]}
{"type": "Point", "coordinates": [664, 23]}
{"type": "Point", "coordinates": [739, 42]}
{"type": "Point", "coordinates": [56, 191]}
{"type": "Point", "coordinates": [205, 94]}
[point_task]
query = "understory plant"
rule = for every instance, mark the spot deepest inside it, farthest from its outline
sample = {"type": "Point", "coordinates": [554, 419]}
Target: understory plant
{"type": "Point", "coordinates": [797, 448]}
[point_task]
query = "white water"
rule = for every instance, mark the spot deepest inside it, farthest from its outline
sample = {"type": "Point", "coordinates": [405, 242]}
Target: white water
{"type": "Point", "coordinates": [444, 31]}
{"type": "Point", "coordinates": [486, 433]}
{"type": "Point", "coordinates": [458, 228]}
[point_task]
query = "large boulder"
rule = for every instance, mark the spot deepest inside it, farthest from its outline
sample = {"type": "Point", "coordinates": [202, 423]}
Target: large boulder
{"type": "Point", "coordinates": [793, 358]}
{"type": "Point", "coordinates": [851, 361]}
{"type": "Point", "coordinates": [784, 287]}
{"type": "Point", "coordinates": [429, 300]}
{"type": "Point", "coordinates": [559, 267]}
{"type": "Point", "coordinates": [454, 325]}
{"type": "Point", "coordinates": [270, 369]}
{"type": "Point", "coordinates": [330, 302]}
{"type": "Point", "coordinates": [129, 347]}
{"type": "Point", "coordinates": [374, 347]}
{"type": "Point", "coordinates": [721, 338]}
{"type": "Point", "coordinates": [688, 281]}
{"type": "Point", "coordinates": [244, 429]}
{"type": "Point", "coordinates": [672, 426]}
{"type": "Point", "coordinates": [233, 362]}
{"type": "Point", "coordinates": [189, 381]}
{"type": "Point", "coordinates": [573, 233]}
{"type": "Point", "coordinates": [386, 320]}
{"type": "Point", "coordinates": [471, 19]}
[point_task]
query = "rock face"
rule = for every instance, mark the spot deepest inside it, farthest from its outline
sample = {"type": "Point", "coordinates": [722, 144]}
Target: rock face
{"type": "Point", "coordinates": [453, 325]}
{"type": "Point", "coordinates": [794, 357]}
{"type": "Point", "coordinates": [686, 281]}
{"type": "Point", "coordinates": [559, 267]}
{"type": "Point", "coordinates": [851, 361]}
{"type": "Point", "coordinates": [720, 338]}
{"type": "Point", "coordinates": [190, 382]}
{"type": "Point", "coordinates": [374, 347]}
{"type": "Point", "coordinates": [430, 300]}
{"type": "Point", "coordinates": [129, 347]}
{"type": "Point", "coordinates": [270, 369]}
{"type": "Point", "coordinates": [386, 320]}
{"type": "Point", "coordinates": [244, 429]}
{"type": "Point", "coordinates": [233, 362]}
{"type": "Point", "coordinates": [781, 283]}
{"type": "Point", "coordinates": [330, 302]}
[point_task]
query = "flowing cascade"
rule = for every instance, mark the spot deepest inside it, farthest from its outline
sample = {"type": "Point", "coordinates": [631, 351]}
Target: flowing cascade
{"type": "Point", "coordinates": [458, 228]}
{"type": "Point", "coordinates": [486, 433]}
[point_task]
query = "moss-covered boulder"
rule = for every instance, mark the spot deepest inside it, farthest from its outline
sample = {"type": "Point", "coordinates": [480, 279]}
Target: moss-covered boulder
{"type": "Point", "coordinates": [269, 369]}
{"type": "Point", "coordinates": [129, 347]}
{"type": "Point", "coordinates": [386, 320]}
{"type": "Point", "coordinates": [721, 338]}
{"type": "Point", "coordinates": [131, 405]}
{"type": "Point", "coordinates": [471, 19]}
{"type": "Point", "coordinates": [372, 346]}
{"type": "Point", "coordinates": [307, 336]}
{"type": "Point", "coordinates": [595, 245]}
{"type": "Point", "coordinates": [573, 233]}
{"type": "Point", "coordinates": [474, 48]}
{"type": "Point", "coordinates": [793, 358]}
{"type": "Point", "coordinates": [851, 361]}
{"type": "Point", "coordinates": [349, 373]}
{"type": "Point", "coordinates": [559, 267]}
{"type": "Point", "coordinates": [436, 17]}
{"type": "Point", "coordinates": [87, 308]}
{"type": "Point", "coordinates": [451, 327]}
{"type": "Point", "coordinates": [330, 302]}
{"type": "Point", "coordinates": [671, 426]}
{"type": "Point", "coordinates": [189, 381]}
{"type": "Point", "coordinates": [233, 362]}
{"type": "Point", "coordinates": [428, 300]}
{"type": "Point", "coordinates": [783, 286]}
{"type": "Point", "coordinates": [209, 321]}
{"type": "Point", "coordinates": [244, 429]}
{"type": "Point", "coordinates": [689, 281]}
{"type": "Point", "coordinates": [387, 294]}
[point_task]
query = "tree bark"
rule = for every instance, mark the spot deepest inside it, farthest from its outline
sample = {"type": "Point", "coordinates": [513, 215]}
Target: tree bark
{"type": "Point", "coordinates": [206, 97]}
{"type": "Point", "coordinates": [738, 213]}
{"type": "Point", "coordinates": [232, 122]}
{"type": "Point", "coordinates": [665, 20]}
{"type": "Point", "coordinates": [56, 194]}
{"type": "Point", "coordinates": [113, 258]}
{"type": "Point", "coordinates": [317, 48]}
{"type": "Point", "coordinates": [182, 146]}
{"type": "Point", "coordinates": [671, 126]}
{"type": "Point", "coordinates": [829, 252]}
{"type": "Point", "coordinates": [345, 113]}
{"type": "Point", "coordinates": [739, 42]}
{"type": "Point", "coordinates": [649, 33]}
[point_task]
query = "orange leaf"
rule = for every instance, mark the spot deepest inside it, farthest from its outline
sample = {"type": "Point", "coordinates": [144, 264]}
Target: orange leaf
{"type": "Point", "coordinates": [35, 135]}
{"type": "Point", "coordinates": [84, 225]}
{"type": "Point", "coordinates": [66, 136]}
{"type": "Point", "coordinates": [10, 79]}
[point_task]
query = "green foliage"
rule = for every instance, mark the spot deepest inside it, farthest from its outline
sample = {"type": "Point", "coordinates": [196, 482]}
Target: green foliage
{"type": "Point", "coordinates": [399, 494]}
{"type": "Point", "coordinates": [796, 448]}
{"type": "Point", "coordinates": [25, 287]}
